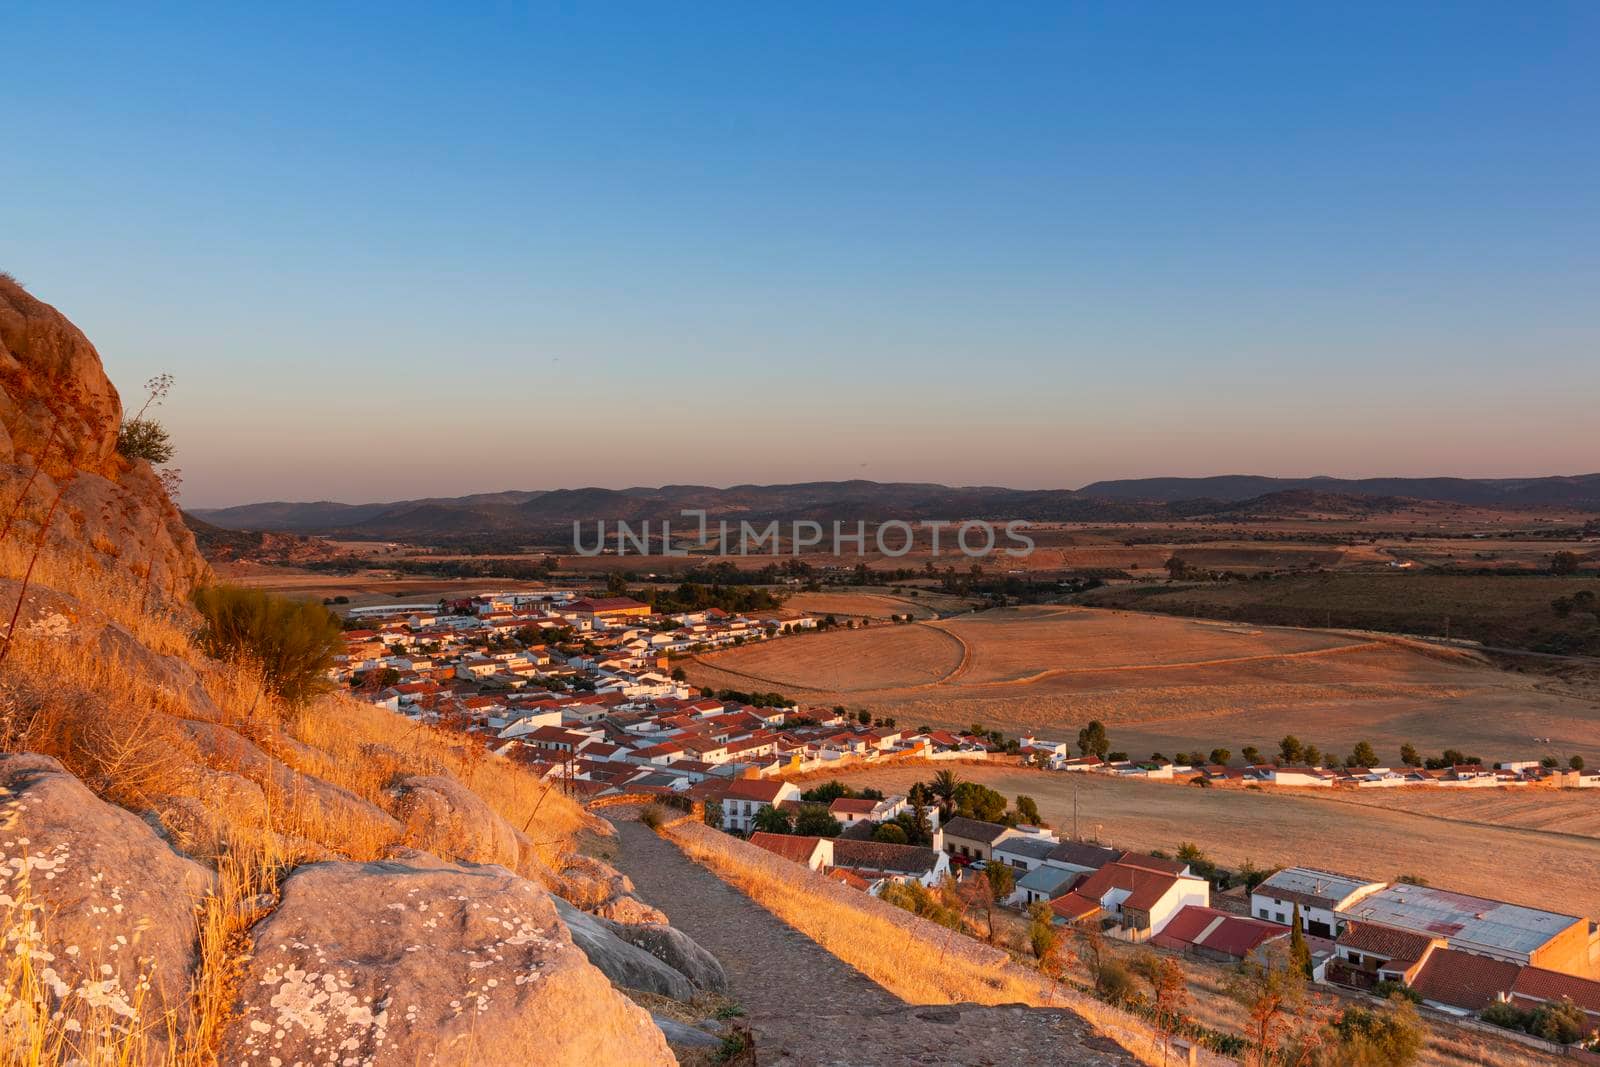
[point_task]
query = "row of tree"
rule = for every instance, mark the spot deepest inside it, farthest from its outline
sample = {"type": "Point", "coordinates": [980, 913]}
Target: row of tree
{"type": "Point", "coordinates": [1292, 752]}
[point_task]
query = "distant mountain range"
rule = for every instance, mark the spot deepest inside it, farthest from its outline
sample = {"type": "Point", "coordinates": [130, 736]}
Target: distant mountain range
{"type": "Point", "coordinates": [538, 512]}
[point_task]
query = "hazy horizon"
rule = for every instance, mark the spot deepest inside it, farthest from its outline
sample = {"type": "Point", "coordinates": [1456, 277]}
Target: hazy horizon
{"type": "Point", "coordinates": [805, 481]}
{"type": "Point", "coordinates": [404, 255]}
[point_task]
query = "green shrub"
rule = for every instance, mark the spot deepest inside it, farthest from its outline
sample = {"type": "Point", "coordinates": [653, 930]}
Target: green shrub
{"type": "Point", "coordinates": [1115, 982]}
{"type": "Point", "coordinates": [145, 439]}
{"type": "Point", "coordinates": [293, 642]}
{"type": "Point", "coordinates": [653, 816]}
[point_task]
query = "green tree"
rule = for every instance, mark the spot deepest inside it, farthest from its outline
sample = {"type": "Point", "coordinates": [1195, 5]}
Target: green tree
{"type": "Point", "coordinates": [773, 820]}
{"type": "Point", "coordinates": [1028, 811]}
{"type": "Point", "coordinates": [944, 786]}
{"type": "Point", "coordinates": [1221, 756]}
{"type": "Point", "coordinates": [941, 905]}
{"type": "Point", "coordinates": [975, 801]}
{"type": "Point", "coordinates": [827, 792]}
{"type": "Point", "coordinates": [1114, 982]}
{"type": "Point", "coordinates": [1002, 879]}
{"type": "Point", "coordinates": [1390, 1036]}
{"type": "Point", "coordinates": [1564, 563]}
{"type": "Point", "coordinates": [1312, 755]}
{"type": "Point", "coordinates": [1251, 754]}
{"type": "Point", "coordinates": [890, 833]}
{"type": "Point", "coordinates": [1198, 861]}
{"type": "Point", "coordinates": [1290, 751]}
{"type": "Point", "coordinates": [1562, 1022]}
{"type": "Point", "coordinates": [1576, 763]}
{"type": "Point", "coordinates": [1042, 936]}
{"type": "Point", "coordinates": [864, 717]}
{"type": "Point", "coordinates": [1299, 951]}
{"type": "Point", "coordinates": [1092, 740]}
{"type": "Point", "coordinates": [714, 812]}
{"type": "Point", "coordinates": [1364, 755]}
{"type": "Point", "coordinates": [816, 820]}
{"type": "Point", "coordinates": [291, 642]}
{"type": "Point", "coordinates": [1409, 755]}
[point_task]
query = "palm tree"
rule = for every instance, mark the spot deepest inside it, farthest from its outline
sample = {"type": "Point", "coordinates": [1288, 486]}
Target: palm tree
{"type": "Point", "coordinates": [944, 787]}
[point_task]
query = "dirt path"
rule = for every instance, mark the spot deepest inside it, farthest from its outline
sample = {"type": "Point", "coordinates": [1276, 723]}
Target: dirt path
{"type": "Point", "coordinates": [808, 1008]}
{"type": "Point", "coordinates": [749, 940]}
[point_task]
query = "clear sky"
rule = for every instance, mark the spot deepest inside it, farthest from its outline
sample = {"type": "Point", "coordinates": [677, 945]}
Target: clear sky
{"type": "Point", "coordinates": [395, 251]}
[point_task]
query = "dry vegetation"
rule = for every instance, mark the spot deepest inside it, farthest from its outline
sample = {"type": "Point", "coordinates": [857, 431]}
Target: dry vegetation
{"type": "Point", "coordinates": [113, 722]}
{"type": "Point", "coordinates": [1167, 684]}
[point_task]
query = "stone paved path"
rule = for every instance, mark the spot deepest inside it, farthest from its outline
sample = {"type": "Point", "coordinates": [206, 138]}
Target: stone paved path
{"type": "Point", "coordinates": [808, 1008]}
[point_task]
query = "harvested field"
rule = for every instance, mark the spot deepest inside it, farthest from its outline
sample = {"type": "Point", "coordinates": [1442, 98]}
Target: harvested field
{"type": "Point", "coordinates": [897, 655]}
{"type": "Point", "coordinates": [862, 605]}
{"type": "Point", "coordinates": [1167, 684]}
{"type": "Point", "coordinates": [1389, 836]}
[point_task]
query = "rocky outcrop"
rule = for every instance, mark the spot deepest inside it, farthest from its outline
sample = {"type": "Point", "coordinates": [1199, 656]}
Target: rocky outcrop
{"type": "Point", "coordinates": [415, 960]}
{"type": "Point", "coordinates": [677, 950]}
{"type": "Point", "coordinates": [112, 923]}
{"type": "Point", "coordinates": [59, 416]}
{"type": "Point", "coordinates": [626, 965]}
{"type": "Point", "coordinates": [442, 815]}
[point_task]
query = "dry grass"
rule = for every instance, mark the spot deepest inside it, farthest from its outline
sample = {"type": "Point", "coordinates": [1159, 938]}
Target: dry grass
{"type": "Point", "coordinates": [918, 961]}
{"type": "Point", "coordinates": [1166, 684]}
{"type": "Point", "coordinates": [160, 625]}
{"type": "Point", "coordinates": [115, 724]}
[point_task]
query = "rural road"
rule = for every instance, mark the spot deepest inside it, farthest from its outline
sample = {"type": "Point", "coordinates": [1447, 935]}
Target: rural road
{"type": "Point", "coordinates": [808, 1008]}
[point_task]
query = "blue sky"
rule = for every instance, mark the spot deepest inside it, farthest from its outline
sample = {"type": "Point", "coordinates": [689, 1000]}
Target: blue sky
{"type": "Point", "coordinates": [1035, 245]}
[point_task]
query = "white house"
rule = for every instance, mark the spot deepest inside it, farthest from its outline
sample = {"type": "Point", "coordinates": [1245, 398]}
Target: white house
{"type": "Point", "coordinates": [1320, 895]}
{"type": "Point", "coordinates": [747, 796]}
{"type": "Point", "coordinates": [1140, 901]}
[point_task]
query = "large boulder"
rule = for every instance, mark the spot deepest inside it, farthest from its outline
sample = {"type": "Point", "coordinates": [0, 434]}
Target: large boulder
{"type": "Point", "coordinates": [113, 924]}
{"type": "Point", "coordinates": [626, 965]}
{"type": "Point", "coordinates": [415, 960]}
{"type": "Point", "coordinates": [445, 817]}
{"type": "Point", "coordinates": [677, 950]}
{"type": "Point", "coordinates": [59, 416]}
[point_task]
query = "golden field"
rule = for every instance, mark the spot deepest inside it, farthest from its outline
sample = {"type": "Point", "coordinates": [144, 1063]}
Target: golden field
{"type": "Point", "coordinates": [1168, 684]}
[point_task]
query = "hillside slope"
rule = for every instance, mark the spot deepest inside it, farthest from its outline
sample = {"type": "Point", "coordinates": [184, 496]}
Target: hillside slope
{"type": "Point", "coordinates": [193, 871]}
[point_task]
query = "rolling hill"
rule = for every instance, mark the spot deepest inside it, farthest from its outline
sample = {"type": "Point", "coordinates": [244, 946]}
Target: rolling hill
{"type": "Point", "coordinates": [535, 512]}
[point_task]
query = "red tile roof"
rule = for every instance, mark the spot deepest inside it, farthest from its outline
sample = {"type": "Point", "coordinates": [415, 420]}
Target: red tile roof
{"type": "Point", "coordinates": [1145, 887]}
{"type": "Point", "coordinates": [1218, 931]}
{"type": "Point", "coordinates": [854, 881]}
{"type": "Point", "coordinates": [1463, 980]}
{"type": "Point", "coordinates": [1397, 946]}
{"type": "Point", "coordinates": [1074, 906]}
{"type": "Point", "coordinates": [1536, 983]}
{"type": "Point", "coordinates": [793, 847]}
{"type": "Point", "coordinates": [764, 790]}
